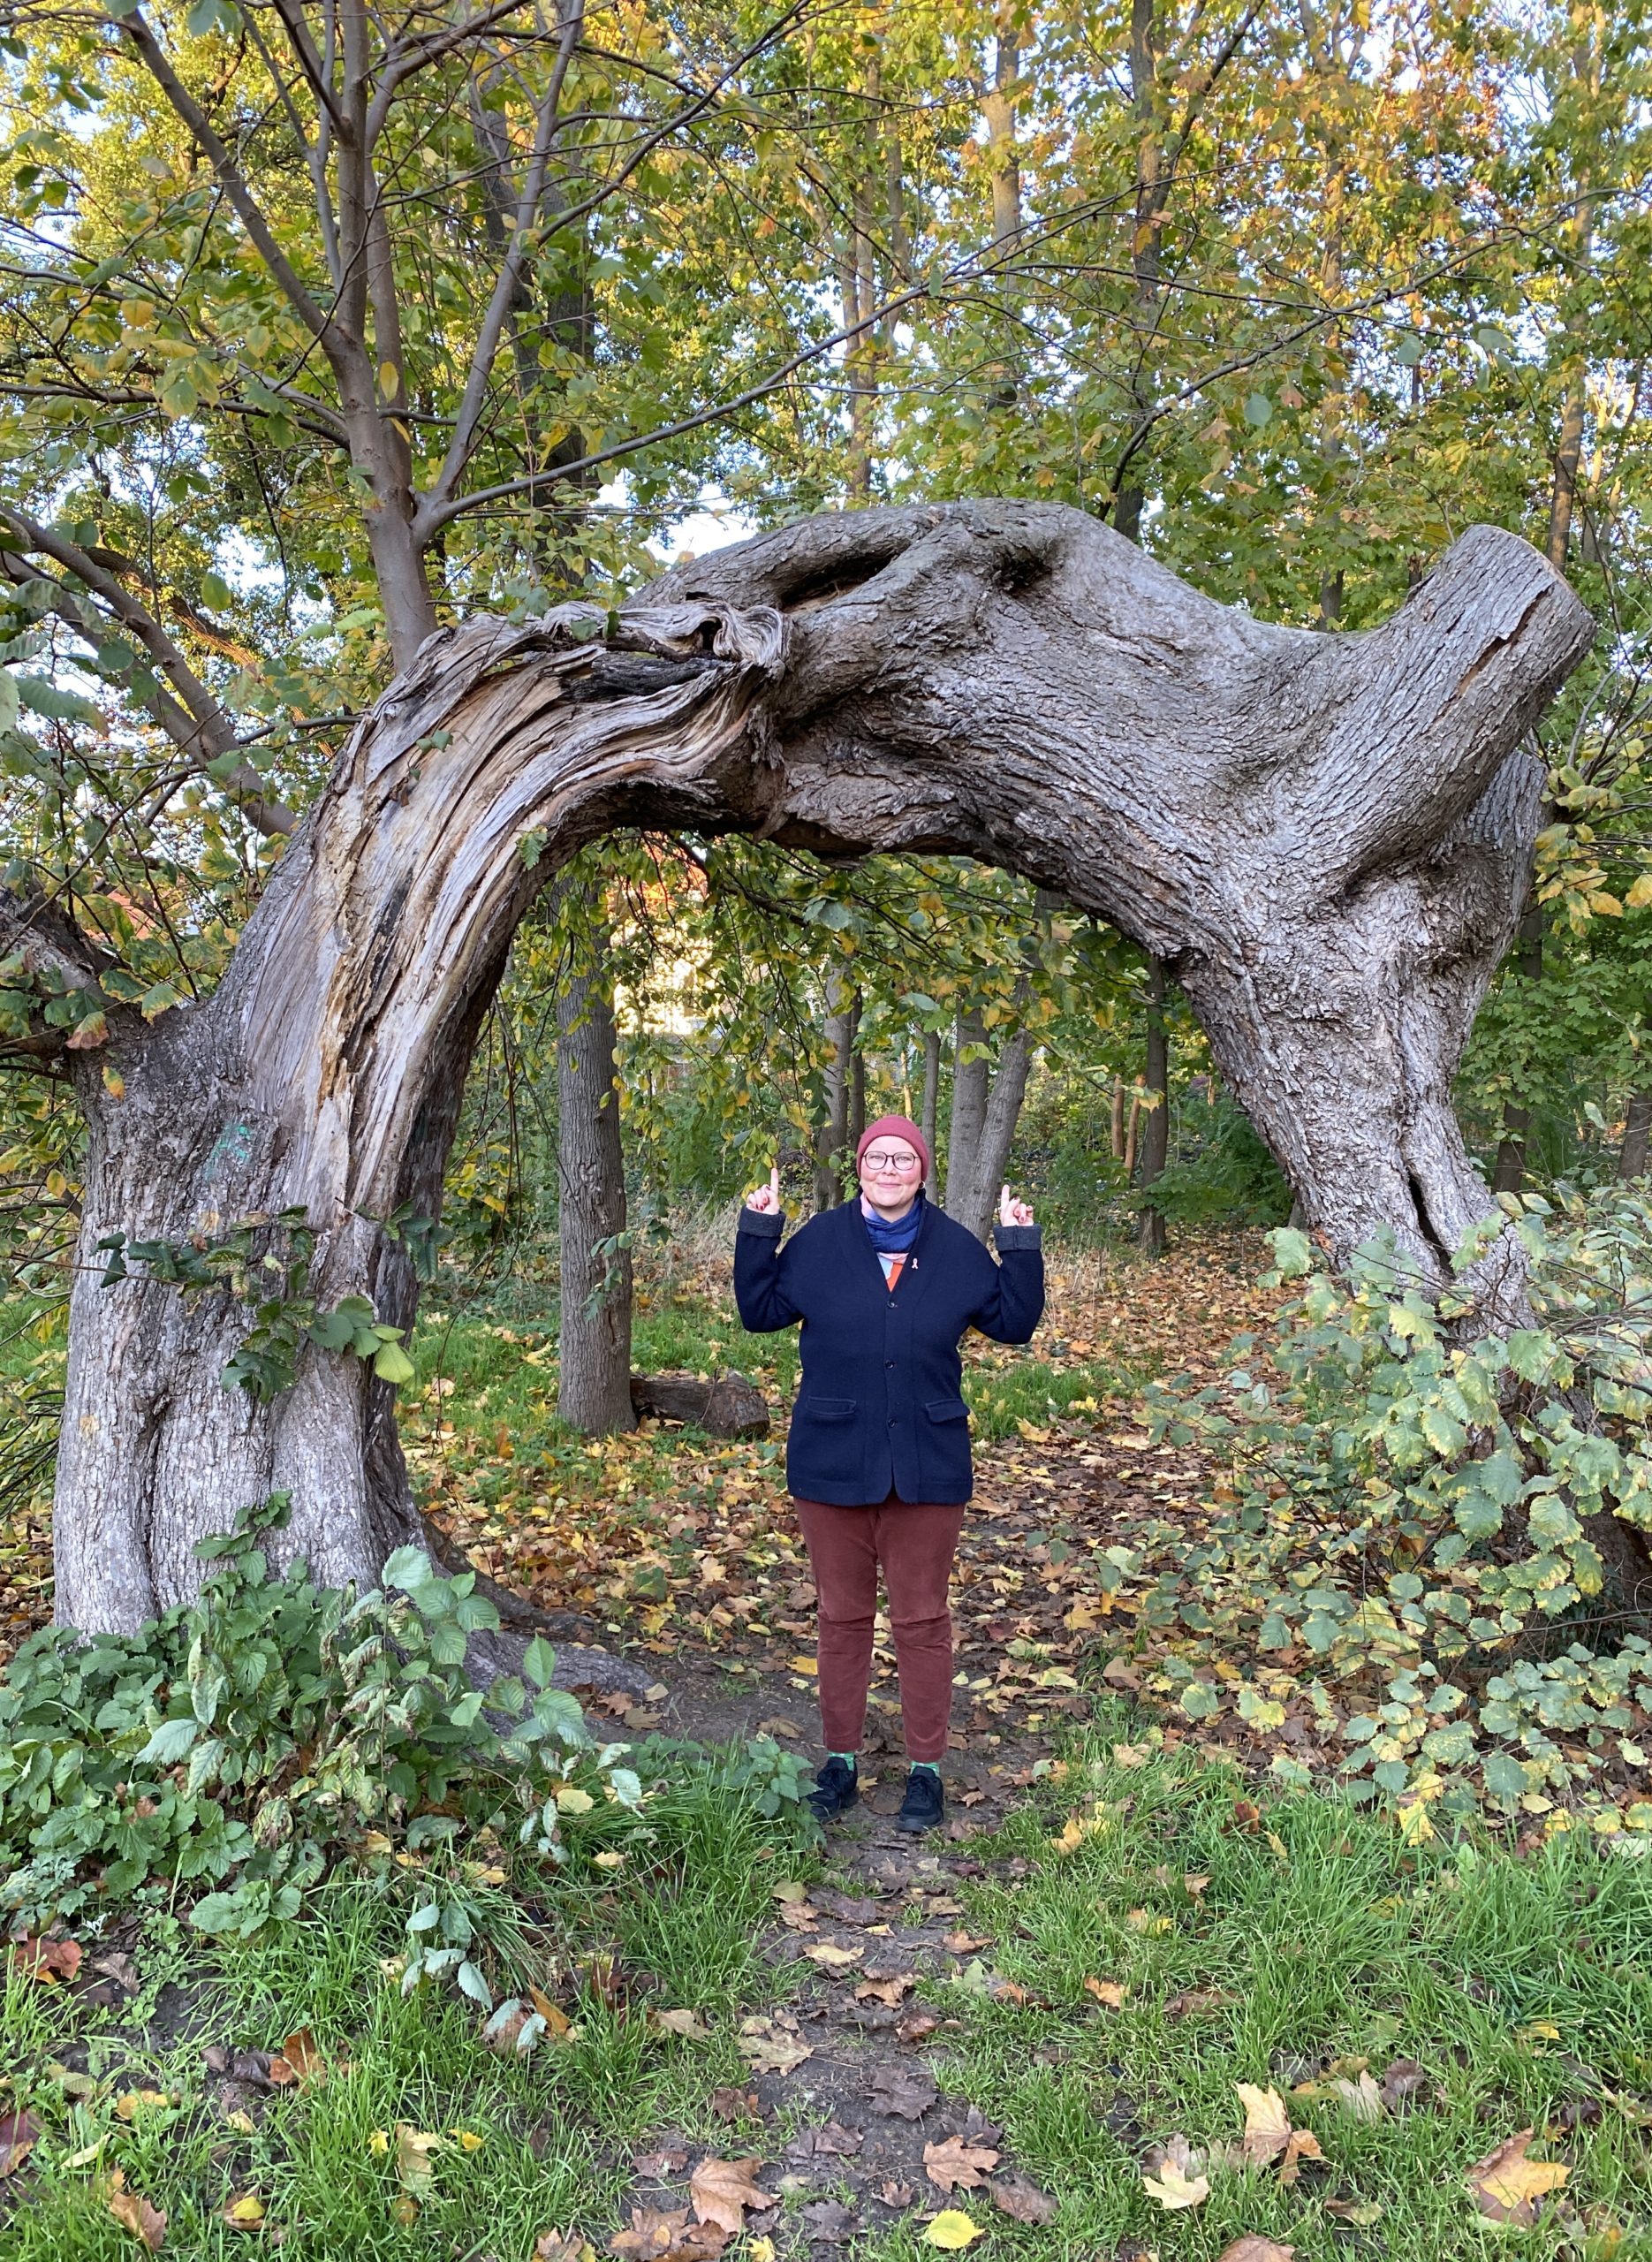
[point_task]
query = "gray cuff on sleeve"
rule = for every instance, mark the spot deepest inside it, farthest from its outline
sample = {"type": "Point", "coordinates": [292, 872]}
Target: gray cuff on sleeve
{"type": "Point", "coordinates": [766, 1224]}
{"type": "Point", "coordinates": [1019, 1236]}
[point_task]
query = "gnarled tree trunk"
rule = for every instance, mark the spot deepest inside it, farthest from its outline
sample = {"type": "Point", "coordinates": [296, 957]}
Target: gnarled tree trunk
{"type": "Point", "coordinates": [1325, 837]}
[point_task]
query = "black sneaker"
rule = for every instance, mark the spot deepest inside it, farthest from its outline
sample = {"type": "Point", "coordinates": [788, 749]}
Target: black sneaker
{"type": "Point", "coordinates": [837, 1788]}
{"type": "Point", "coordinates": [923, 1808]}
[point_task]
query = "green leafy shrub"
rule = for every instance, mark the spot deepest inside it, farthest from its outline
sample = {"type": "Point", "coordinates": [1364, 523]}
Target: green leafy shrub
{"type": "Point", "coordinates": [1411, 1513]}
{"type": "Point", "coordinates": [247, 1741]}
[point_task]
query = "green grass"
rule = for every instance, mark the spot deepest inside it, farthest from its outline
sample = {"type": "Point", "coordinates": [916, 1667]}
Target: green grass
{"type": "Point", "coordinates": [1522, 1986]}
{"type": "Point", "coordinates": [556, 2131]}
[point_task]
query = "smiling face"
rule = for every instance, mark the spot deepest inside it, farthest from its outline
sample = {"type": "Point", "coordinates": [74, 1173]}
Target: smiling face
{"type": "Point", "coordinates": [890, 1174]}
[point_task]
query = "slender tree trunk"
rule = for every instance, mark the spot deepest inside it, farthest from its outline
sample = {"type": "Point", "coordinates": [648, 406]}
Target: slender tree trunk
{"type": "Point", "coordinates": [1131, 1131]}
{"type": "Point", "coordinates": [1326, 839]}
{"type": "Point", "coordinates": [975, 1202]}
{"type": "Point", "coordinates": [593, 1391]}
{"type": "Point", "coordinates": [929, 1121]}
{"type": "Point", "coordinates": [1116, 1127]}
{"type": "Point", "coordinates": [857, 1092]}
{"type": "Point", "coordinates": [1508, 1171]}
{"type": "Point", "coordinates": [1632, 1155]}
{"type": "Point", "coordinates": [842, 1011]}
{"type": "Point", "coordinates": [970, 1082]}
{"type": "Point", "coordinates": [1155, 1145]}
{"type": "Point", "coordinates": [998, 108]}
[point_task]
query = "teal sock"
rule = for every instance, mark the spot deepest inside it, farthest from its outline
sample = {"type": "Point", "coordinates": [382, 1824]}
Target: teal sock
{"type": "Point", "coordinates": [929, 1766]}
{"type": "Point", "coordinates": [848, 1758]}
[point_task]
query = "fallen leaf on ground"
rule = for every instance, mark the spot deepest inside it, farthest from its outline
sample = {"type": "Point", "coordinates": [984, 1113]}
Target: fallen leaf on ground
{"type": "Point", "coordinates": [298, 2061]}
{"type": "Point", "coordinates": [1403, 2080]}
{"type": "Point", "coordinates": [800, 1916]}
{"type": "Point", "coordinates": [896, 2195]}
{"type": "Point", "coordinates": [1252, 2248]}
{"type": "Point", "coordinates": [1173, 2188]}
{"type": "Point", "coordinates": [1169, 2180]}
{"type": "Point", "coordinates": [133, 2212]}
{"type": "Point", "coordinates": [761, 2250]}
{"type": "Point", "coordinates": [1024, 2202]}
{"type": "Point", "coordinates": [415, 2151]}
{"type": "Point", "coordinates": [1362, 2099]}
{"type": "Point", "coordinates": [830, 2221]}
{"type": "Point", "coordinates": [1505, 2186]}
{"type": "Point", "coordinates": [917, 2025]}
{"type": "Point", "coordinates": [655, 2167]}
{"type": "Point", "coordinates": [1131, 1755]}
{"type": "Point", "coordinates": [1148, 1921]}
{"type": "Point", "coordinates": [656, 2237]}
{"type": "Point", "coordinates": [848, 1909]}
{"type": "Point", "coordinates": [736, 2105]}
{"type": "Point", "coordinates": [688, 2023]}
{"type": "Point", "coordinates": [1107, 1992]}
{"type": "Point", "coordinates": [722, 2189]}
{"type": "Point", "coordinates": [48, 1960]}
{"type": "Point", "coordinates": [245, 2214]}
{"type": "Point", "coordinates": [830, 1957]}
{"type": "Point", "coordinates": [1246, 1815]}
{"type": "Point", "coordinates": [908, 2091]}
{"type": "Point", "coordinates": [953, 2162]}
{"type": "Point", "coordinates": [1363, 2213]}
{"type": "Point", "coordinates": [1194, 2002]}
{"type": "Point", "coordinates": [886, 1991]}
{"type": "Point", "coordinates": [563, 2246]}
{"type": "Point", "coordinates": [1269, 2134]}
{"type": "Point", "coordinates": [119, 1966]}
{"type": "Point", "coordinates": [965, 1943]}
{"type": "Point", "coordinates": [952, 2229]}
{"type": "Point", "coordinates": [18, 2134]}
{"type": "Point", "coordinates": [769, 2048]}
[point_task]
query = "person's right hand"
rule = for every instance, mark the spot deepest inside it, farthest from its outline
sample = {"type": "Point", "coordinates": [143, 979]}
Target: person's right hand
{"type": "Point", "coordinates": [767, 1197]}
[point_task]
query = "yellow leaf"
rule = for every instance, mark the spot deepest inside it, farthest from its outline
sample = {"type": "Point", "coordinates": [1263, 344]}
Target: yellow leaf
{"type": "Point", "coordinates": [722, 2189]}
{"type": "Point", "coordinates": [1106, 1992]}
{"type": "Point", "coordinates": [415, 2167]}
{"type": "Point", "coordinates": [1608, 906]}
{"type": "Point", "coordinates": [245, 2214]}
{"type": "Point", "coordinates": [379, 2143]}
{"type": "Point", "coordinates": [953, 2229]}
{"type": "Point", "coordinates": [831, 1957]}
{"type": "Point", "coordinates": [466, 2139]}
{"type": "Point", "coordinates": [132, 2104]}
{"type": "Point", "coordinates": [803, 1665]}
{"type": "Point", "coordinates": [761, 2250]}
{"type": "Point", "coordinates": [1640, 894]}
{"type": "Point", "coordinates": [1173, 2188]}
{"type": "Point", "coordinates": [1505, 2185]}
{"type": "Point", "coordinates": [1415, 1829]}
{"type": "Point", "coordinates": [570, 1800]}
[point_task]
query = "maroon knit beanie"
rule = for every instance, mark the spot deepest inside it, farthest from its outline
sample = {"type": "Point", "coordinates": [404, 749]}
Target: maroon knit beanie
{"type": "Point", "coordinates": [898, 1126]}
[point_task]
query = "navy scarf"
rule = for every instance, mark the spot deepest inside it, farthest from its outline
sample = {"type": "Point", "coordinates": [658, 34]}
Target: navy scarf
{"type": "Point", "coordinates": [894, 1238]}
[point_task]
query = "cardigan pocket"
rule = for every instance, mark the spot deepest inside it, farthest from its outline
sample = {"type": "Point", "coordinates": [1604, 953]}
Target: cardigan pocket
{"type": "Point", "coordinates": [826, 1451]}
{"type": "Point", "coordinates": [947, 1410]}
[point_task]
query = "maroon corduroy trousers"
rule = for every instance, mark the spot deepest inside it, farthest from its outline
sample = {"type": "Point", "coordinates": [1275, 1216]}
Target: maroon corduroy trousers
{"type": "Point", "coordinates": [913, 1544]}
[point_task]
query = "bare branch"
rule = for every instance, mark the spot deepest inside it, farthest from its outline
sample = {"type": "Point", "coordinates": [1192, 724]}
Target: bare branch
{"type": "Point", "coordinates": [507, 284]}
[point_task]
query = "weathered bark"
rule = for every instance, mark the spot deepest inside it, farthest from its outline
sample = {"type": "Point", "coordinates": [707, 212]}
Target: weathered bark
{"type": "Point", "coordinates": [1325, 837]}
{"type": "Point", "coordinates": [730, 1407]}
{"type": "Point", "coordinates": [1632, 1155]}
{"type": "Point", "coordinates": [1156, 1145]}
{"type": "Point", "coordinates": [593, 1353]}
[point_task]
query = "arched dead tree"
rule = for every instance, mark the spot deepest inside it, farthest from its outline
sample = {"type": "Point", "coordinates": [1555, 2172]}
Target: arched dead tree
{"type": "Point", "coordinates": [1325, 837]}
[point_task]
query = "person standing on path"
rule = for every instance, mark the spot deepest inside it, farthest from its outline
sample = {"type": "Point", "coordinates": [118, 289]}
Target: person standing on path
{"type": "Point", "coordinates": [878, 1461]}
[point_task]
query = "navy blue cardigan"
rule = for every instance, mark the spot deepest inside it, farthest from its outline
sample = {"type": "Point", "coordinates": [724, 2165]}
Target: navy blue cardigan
{"type": "Point", "coordinates": [881, 1408]}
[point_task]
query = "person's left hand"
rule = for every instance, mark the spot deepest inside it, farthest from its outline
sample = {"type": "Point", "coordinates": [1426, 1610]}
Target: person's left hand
{"type": "Point", "coordinates": [1012, 1213]}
